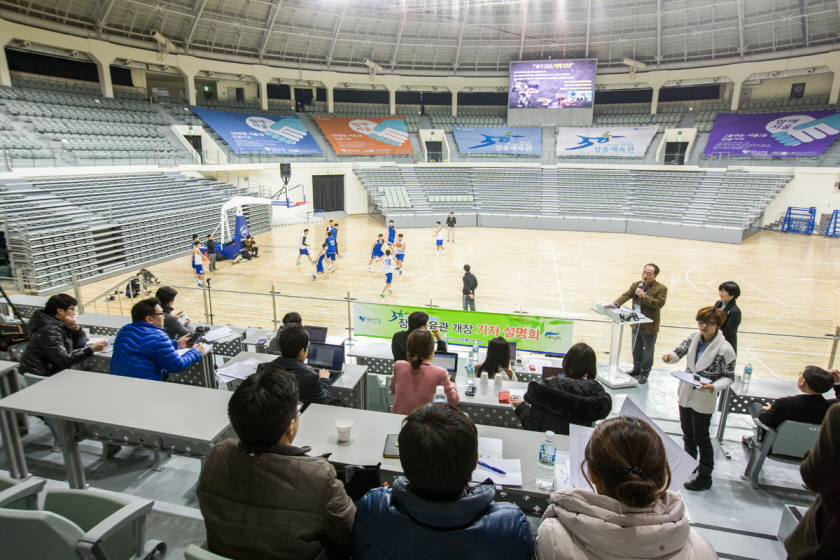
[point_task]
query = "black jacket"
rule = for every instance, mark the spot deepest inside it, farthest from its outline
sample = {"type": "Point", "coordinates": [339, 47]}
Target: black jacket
{"type": "Point", "coordinates": [53, 347]}
{"type": "Point", "coordinates": [733, 321]}
{"type": "Point", "coordinates": [171, 324]}
{"type": "Point", "coordinates": [806, 408]}
{"type": "Point", "coordinates": [313, 389]}
{"type": "Point", "coordinates": [470, 284]}
{"type": "Point", "coordinates": [399, 340]}
{"type": "Point", "coordinates": [557, 402]}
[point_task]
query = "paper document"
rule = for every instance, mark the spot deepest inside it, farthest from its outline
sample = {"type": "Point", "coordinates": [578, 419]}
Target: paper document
{"type": "Point", "coordinates": [690, 378]}
{"type": "Point", "coordinates": [182, 351]}
{"type": "Point", "coordinates": [578, 438]}
{"type": "Point", "coordinates": [511, 467]}
{"type": "Point", "coordinates": [682, 464]}
{"type": "Point", "coordinates": [239, 370]}
{"type": "Point", "coordinates": [562, 474]}
{"type": "Point", "coordinates": [183, 318]}
{"type": "Point", "coordinates": [108, 349]}
{"type": "Point", "coordinates": [518, 392]}
{"type": "Point", "coordinates": [489, 448]}
{"type": "Point", "coordinates": [217, 334]}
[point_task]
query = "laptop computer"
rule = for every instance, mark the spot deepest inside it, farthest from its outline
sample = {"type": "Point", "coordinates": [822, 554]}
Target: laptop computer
{"type": "Point", "coordinates": [327, 356]}
{"type": "Point", "coordinates": [448, 361]}
{"type": "Point", "coordinates": [316, 334]}
{"type": "Point", "coordinates": [548, 372]}
{"type": "Point", "coordinates": [512, 352]}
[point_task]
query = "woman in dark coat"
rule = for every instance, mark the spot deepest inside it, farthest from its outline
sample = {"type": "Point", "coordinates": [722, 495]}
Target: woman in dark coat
{"type": "Point", "coordinates": [729, 292]}
{"type": "Point", "coordinates": [575, 398]}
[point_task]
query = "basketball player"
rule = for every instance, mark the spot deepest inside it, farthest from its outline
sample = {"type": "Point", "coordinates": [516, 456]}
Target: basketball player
{"type": "Point", "coordinates": [438, 235]}
{"type": "Point", "coordinates": [400, 245]}
{"type": "Point", "coordinates": [198, 263]}
{"type": "Point", "coordinates": [319, 269]}
{"type": "Point", "coordinates": [332, 251]}
{"type": "Point", "coordinates": [303, 247]}
{"type": "Point", "coordinates": [387, 270]}
{"type": "Point", "coordinates": [376, 250]}
{"type": "Point", "coordinates": [392, 233]}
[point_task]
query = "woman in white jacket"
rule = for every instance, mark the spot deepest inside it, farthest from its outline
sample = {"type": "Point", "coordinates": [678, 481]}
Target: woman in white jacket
{"type": "Point", "coordinates": [632, 515]}
{"type": "Point", "coordinates": [708, 355]}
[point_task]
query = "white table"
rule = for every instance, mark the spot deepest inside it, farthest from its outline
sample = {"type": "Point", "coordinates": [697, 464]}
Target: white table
{"type": "Point", "coordinates": [163, 417]}
{"type": "Point", "coordinates": [102, 324]}
{"type": "Point", "coordinates": [254, 338]}
{"type": "Point", "coordinates": [484, 407]}
{"type": "Point", "coordinates": [26, 305]}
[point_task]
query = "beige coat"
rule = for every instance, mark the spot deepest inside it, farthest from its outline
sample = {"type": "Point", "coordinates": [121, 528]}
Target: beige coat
{"type": "Point", "coordinates": [582, 525]}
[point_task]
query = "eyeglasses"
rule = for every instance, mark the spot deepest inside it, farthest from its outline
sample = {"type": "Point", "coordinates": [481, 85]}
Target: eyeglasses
{"type": "Point", "coordinates": [702, 323]}
{"type": "Point", "coordinates": [299, 406]}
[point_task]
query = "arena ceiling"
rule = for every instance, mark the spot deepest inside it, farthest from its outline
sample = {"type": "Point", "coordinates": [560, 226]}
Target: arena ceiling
{"type": "Point", "coordinates": [448, 37]}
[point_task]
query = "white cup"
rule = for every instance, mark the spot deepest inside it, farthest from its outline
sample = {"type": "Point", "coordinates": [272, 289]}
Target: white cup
{"type": "Point", "coordinates": [485, 377]}
{"type": "Point", "coordinates": [498, 378]}
{"type": "Point", "coordinates": [343, 426]}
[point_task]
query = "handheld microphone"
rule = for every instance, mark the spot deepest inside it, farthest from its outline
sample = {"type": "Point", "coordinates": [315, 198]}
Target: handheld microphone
{"type": "Point", "coordinates": [641, 286]}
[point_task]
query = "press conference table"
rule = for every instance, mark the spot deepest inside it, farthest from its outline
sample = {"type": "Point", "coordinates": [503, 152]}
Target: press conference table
{"type": "Point", "coordinates": [370, 429]}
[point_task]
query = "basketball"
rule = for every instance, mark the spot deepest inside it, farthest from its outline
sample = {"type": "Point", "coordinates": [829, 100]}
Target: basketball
{"type": "Point", "coordinates": [399, 244]}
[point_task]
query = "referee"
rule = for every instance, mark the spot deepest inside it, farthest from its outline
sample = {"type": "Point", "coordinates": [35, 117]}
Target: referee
{"type": "Point", "coordinates": [450, 227]}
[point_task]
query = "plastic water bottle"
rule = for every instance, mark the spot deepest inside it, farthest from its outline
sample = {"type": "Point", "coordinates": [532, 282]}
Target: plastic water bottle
{"type": "Point", "coordinates": [440, 395]}
{"type": "Point", "coordinates": [470, 372]}
{"type": "Point", "coordinates": [474, 352]}
{"type": "Point", "coordinates": [545, 464]}
{"type": "Point", "coordinates": [747, 374]}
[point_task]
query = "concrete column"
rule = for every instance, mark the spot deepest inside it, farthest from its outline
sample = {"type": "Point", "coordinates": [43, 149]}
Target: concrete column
{"type": "Point", "coordinates": [392, 101]}
{"type": "Point", "coordinates": [654, 101]}
{"type": "Point", "coordinates": [103, 68]}
{"type": "Point", "coordinates": [736, 95]}
{"type": "Point", "coordinates": [5, 75]}
{"type": "Point", "coordinates": [454, 93]}
{"type": "Point", "coordinates": [263, 95]}
{"type": "Point", "coordinates": [833, 94]}
{"type": "Point", "coordinates": [330, 104]}
{"type": "Point", "coordinates": [189, 87]}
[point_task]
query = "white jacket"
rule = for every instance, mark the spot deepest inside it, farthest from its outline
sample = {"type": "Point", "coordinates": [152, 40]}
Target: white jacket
{"type": "Point", "coordinates": [717, 364]}
{"type": "Point", "coordinates": [583, 525]}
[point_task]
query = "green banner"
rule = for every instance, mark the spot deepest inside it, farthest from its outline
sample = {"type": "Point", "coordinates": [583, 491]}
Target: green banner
{"type": "Point", "coordinates": [531, 333]}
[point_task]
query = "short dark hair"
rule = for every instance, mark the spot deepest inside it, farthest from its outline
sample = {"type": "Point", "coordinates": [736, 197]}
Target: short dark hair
{"type": "Point", "coordinates": [381, 235]}
{"type": "Point", "coordinates": [467, 267]}
{"type": "Point", "coordinates": [195, 236]}
{"type": "Point", "coordinates": [429, 433]}
{"type": "Point", "coordinates": [399, 235]}
{"type": "Point", "coordinates": [387, 252]}
{"type": "Point", "coordinates": [655, 268]}
{"type": "Point", "coordinates": [390, 221]}
{"type": "Point", "coordinates": [292, 317]}
{"type": "Point", "coordinates": [166, 294]}
{"type": "Point", "coordinates": [292, 339]}
{"type": "Point", "coordinates": [580, 362]}
{"type": "Point", "coordinates": [731, 288]}
{"type": "Point", "coordinates": [209, 235]}
{"type": "Point", "coordinates": [438, 223]}
{"type": "Point", "coordinates": [818, 380]}
{"type": "Point", "coordinates": [306, 230]}
{"type": "Point", "coordinates": [144, 308]}
{"type": "Point", "coordinates": [59, 301]}
{"type": "Point", "coordinates": [196, 243]}
{"type": "Point", "coordinates": [417, 320]}
{"type": "Point", "coordinates": [263, 405]}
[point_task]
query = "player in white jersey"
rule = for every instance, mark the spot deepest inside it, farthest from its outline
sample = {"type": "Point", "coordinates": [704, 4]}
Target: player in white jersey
{"type": "Point", "coordinates": [387, 270]}
{"type": "Point", "coordinates": [198, 263]}
{"type": "Point", "coordinates": [400, 255]}
{"type": "Point", "coordinates": [438, 235]}
{"type": "Point", "coordinates": [303, 247]}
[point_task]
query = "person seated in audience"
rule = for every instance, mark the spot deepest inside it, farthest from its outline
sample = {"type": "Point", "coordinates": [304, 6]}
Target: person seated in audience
{"type": "Point", "coordinates": [273, 346]}
{"type": "Point", "coordinates": [575, 398]}
{"type": "Point", "coordinates": [143, 350]}
{"type": "Point", "coordinates": [172, 323]}
{"type": "Point", "coordinates": [631, 513]}
{"type": "Point", "coordinates": [414, 381]}
{"type": "Point", "coordinates": [809, 407]}
{"type": "Point", "coordinates": [497, 361]}
{"type": "Point", "coordinates": [417, 320]}
{"type": "Point", "coordinates": [58, 342]}
{"type": "Point", "coordinates": [314, 387]}
{"type": "Point", "coordinates": [262, 496]}
{"type": "Point", "coordinates": [251, 247]}
{"type": "Point", "coordinates": [432, 511]}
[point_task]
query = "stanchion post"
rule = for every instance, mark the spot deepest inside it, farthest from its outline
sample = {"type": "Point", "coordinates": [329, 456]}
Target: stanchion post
{"type": "Point", "coordinates": [349, 299]}
{"type": "Point", "coordinates": [432, 301]}
{"type": "Point", "coordinates": [78, 291]}
{"type": "Point", "coordinates": [834, 347]}
{"type": "Point", "coordinates": [206, 308]}
{"type": "Point", "coordinates": [274, 307]}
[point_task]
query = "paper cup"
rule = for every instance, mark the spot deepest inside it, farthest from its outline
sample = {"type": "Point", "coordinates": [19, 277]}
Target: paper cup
{"type": "Point", "coordinates": [343, 427]}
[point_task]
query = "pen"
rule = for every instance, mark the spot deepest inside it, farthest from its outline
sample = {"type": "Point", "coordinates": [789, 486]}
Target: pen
{"type": "Point", "coordinates": [494, 469]}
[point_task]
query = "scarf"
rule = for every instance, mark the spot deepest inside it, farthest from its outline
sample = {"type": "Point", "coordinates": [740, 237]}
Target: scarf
{"type": "Point", "coordinates": [709, 354]}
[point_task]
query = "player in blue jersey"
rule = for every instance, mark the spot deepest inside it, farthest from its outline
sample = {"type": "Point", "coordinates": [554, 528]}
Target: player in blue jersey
{"type": "Point", "coordinates": [392, 233]}
{"type": "Point", "coordinates": [387, 270]}
{"type": "Point", "coordinates": [335, 235]}
{"type": "Point", "coordinates": [319, 269]}
{"type": "Point", "coordinates": [400, 255]}
{"type": "Point", "coordinates": [332, 251]}
{"type": "Point", "coordinates": [376, 250]}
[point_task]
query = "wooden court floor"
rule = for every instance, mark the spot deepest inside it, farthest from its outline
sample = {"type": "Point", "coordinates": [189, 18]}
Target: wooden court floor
{"type": "Point", "coordinates": [790, 283]}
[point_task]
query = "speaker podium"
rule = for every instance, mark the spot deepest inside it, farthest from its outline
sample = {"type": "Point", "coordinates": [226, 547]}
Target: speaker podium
{"type": "Point", "coordinates": [612, 376]}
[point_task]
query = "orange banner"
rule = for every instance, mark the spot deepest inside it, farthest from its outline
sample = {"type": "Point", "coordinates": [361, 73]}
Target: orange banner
{"type": "Point", "coordinates": [366, 136]}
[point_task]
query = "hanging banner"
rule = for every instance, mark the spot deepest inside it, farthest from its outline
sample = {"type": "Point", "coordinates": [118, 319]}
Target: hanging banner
{"type": "Point", "coordinates": [605, 141]}
{"type": "Point", "coordinates": [270, 134]}
{"type": "Point", "coordinates": [368, 136]}
{"type": "Point", "coordinates": [531, 333]}
{"type": "Point", "coordinates": [791, 134]}
{"type": "Point", "coordinates": [497, 139]}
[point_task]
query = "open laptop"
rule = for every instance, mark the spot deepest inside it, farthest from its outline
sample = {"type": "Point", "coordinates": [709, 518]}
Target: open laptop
{"type": "Point", "coordinates": [512, 352]}
{"type": "Point", "coordinates": [552, 372]}
{"type": "Point", "coordinates": [316, 334]}
{"type": "Point", "coordinates": [448, 361]}
{"type": "Point", "coordinates": [327, 356]}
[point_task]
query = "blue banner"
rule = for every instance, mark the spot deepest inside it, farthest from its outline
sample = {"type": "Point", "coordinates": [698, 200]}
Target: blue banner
{"type": "Point", "coordinates": [269, 134]}
{"type": "Point", "coordinates": [497, 139]}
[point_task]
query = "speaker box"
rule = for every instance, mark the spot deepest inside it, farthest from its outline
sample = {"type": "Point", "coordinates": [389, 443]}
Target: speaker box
{"type": "Point", "coordinates": [285, 170]}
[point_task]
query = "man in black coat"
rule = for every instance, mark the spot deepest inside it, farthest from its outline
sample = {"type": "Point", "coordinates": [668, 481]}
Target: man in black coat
{"type": "Point", "coordinates": [58, 342]}
{"type": "Point", "coordinates": [468, 291]}
{"type": "Point", "coordinates": [314, 386]}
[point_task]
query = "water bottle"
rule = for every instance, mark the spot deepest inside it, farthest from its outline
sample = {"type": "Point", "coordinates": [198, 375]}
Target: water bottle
{"type": "Point", "coordinates": [474, 352]}
{"type": "Point", "coordinates": [470, 372]}
{"type": "Point", "coordinates": [747, 374]}
{"type": "Point", "coordinates": [545, 464]}
{"type": "Point", "coordinates": [440, 396]}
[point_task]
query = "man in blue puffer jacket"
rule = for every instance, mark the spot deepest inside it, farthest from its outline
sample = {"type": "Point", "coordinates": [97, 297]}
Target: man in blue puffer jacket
{"type": "Point", "coordinates": [431, 512]}
{"type": "Point", "coordinates": [143, 350]}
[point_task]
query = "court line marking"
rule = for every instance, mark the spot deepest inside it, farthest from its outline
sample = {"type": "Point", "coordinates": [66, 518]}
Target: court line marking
{"type": "Point", "coordinates": [557, 277]}
{"type": "Point", "coordinates": [762, 363]}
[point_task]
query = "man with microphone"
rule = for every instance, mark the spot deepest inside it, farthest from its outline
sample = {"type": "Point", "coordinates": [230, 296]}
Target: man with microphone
{"type": "Point", "coordinates": [648, 298]}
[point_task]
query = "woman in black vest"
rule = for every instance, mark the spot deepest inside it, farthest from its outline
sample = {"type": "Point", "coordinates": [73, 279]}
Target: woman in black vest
{"type": "Point", "coordinates": [729, 292]}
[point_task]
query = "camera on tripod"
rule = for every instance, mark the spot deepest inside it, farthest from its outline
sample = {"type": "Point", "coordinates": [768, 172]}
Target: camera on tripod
{"type": "Point", "coordinates": [197, 334]}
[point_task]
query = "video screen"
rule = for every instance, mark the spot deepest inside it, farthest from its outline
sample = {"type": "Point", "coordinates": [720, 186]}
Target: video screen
{"type": "Point", "coordinates": [552, 84]}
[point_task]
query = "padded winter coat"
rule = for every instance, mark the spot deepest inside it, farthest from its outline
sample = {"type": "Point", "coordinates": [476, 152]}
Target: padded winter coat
{"type": "Point", "coordinates": [53, 347]}
{"type": "Point", "coordinates": [557, 402]}
{"type": "Point", "coordinates": [143, 350]}
{"type": "Point", "coordinates": [396, 523]}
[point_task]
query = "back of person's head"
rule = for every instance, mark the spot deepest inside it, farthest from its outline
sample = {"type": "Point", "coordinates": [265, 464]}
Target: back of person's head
{"type": "Point", "coordinates": [263, 405]}
{"type": "Point", "coordinates": [166, 295]}
{"type": "Point", "coordinates": [144, 308]}
{"type": "Point", "coordinates": [467, 267]}
{"type": "Point", "coordinates": [417, 320]}
{"type": "Point", "coordinates": [292, 317]}
{"type": "Point", "coordinates": [387, 252]}
{"type": "Point", "coordinates": [625, 460]}
{"type": "Point", "coordinates": [59, 301]}
{"type": "Point", "coordinates": [292, 339]}
{"type": "Point", "coordinates": [731, 288]}
{"type": "Point", "coordinates": [438, 451]}
{"type": "Point", "coordinates": [580, 362]}
{"type": "Point", "coordinates": [711, 314]}
{"type": "Point", "coordinates": [498, 356]}
{"type": "Point", "coordinates": [420, 346]}
{"type": "Point", "coordinates": [818, 380]}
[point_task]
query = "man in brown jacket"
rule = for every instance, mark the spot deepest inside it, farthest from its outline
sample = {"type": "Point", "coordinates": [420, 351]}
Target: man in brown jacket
{"type": "Point", "coordinates": [262, 497]}
{"type": "Point", "coordinates": [649, 297]}
{"type": "Point", "coordinates": [817, 537]}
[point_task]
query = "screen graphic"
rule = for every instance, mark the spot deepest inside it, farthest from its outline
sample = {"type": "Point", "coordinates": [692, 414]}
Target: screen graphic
{"type": "Point", "coordinates": [552, 84]}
